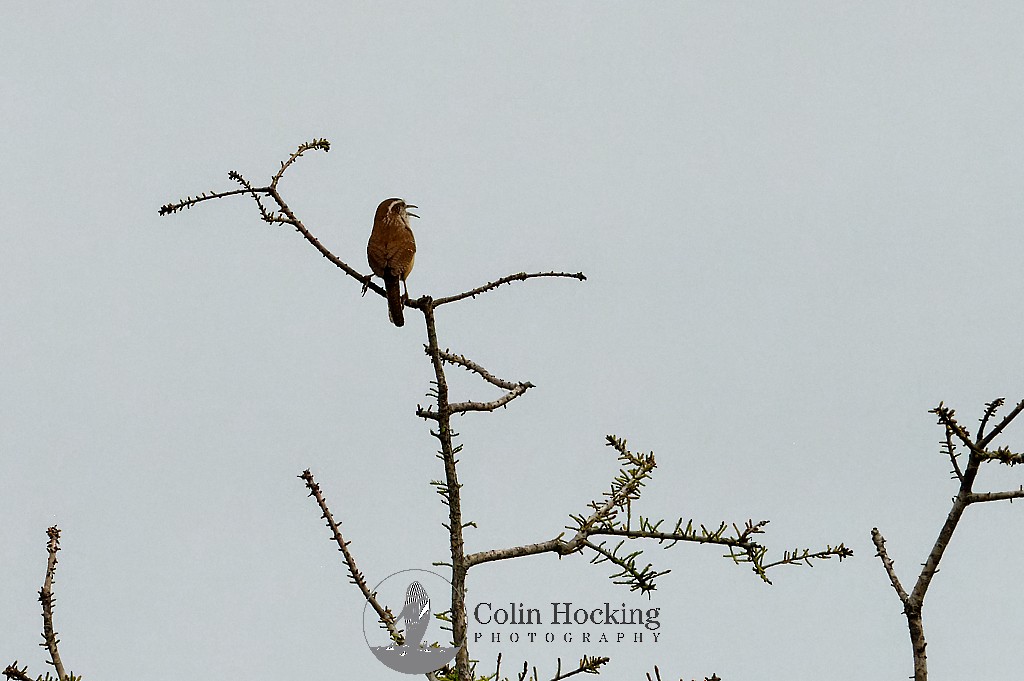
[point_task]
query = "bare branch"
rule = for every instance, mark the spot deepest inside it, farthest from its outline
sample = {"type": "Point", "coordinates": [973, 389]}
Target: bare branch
{"type": "Point", "coordinates": [265, 214]}
{"type": "Point", "coordinates": [190, 201]}
{"type": "Point", "coordinates": [949, 447]}
{"type": "Point", "coordinates": [947, 418]}
{"type": "Point", "coordinates": [552, 545]}
{"type": "Point", "coordinates": [981, 497]}
{"type": "Point", "coordinates": [317, 145]}
{"type": "Point", "coordinates": [983, 442]}
{"type": "Point", "coordinates": [285, 216]}
{"type": "Point", "coordinates": [887, 563]}
{"type": "Point", "coordinates": [50, 639]}
{"type": "Point", "coordinates": [466, 363]}
{"type": "Point", "coordinates": [364, 279]}
{"type": "Point", "coordinates": [463, 407]}
{"type": "Point", "coordinates": [515, 389]}
{"type": "Point", "coordinates": [521, 276]}
{"type": "Point", "coordinates": [384, 614]}
{"type": "Point", "coordinates": [990, 410]}
{"type": "Point", "coordinates": [931, 564]}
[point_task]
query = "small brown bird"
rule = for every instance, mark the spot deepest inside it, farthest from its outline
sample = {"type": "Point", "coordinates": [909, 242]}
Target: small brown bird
{"type": "Point", "coordinates": [391, 252]}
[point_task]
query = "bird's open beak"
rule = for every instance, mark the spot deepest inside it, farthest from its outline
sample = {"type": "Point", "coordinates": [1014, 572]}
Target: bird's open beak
{"type": "Point", "coordinates": [407, 207]}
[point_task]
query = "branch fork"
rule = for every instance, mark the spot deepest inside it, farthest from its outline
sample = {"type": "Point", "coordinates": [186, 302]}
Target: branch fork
{"type": "Point", "coordinates": [979, 453]}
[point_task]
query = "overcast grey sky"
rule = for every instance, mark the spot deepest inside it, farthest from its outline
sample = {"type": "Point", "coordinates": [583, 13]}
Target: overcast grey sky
{"type": "Point", "coordinates": [801, 227]}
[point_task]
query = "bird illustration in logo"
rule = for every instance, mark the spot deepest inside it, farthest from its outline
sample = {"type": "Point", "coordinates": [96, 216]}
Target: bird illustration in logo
{"type": "Point", "coordinates": [416, 614]}
{"type": "Point", "coordinates": [413, 656]}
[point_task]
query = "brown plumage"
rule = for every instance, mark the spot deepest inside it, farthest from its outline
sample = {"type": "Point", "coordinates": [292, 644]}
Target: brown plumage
{"type": "Point", "coordinates": [391, 252]}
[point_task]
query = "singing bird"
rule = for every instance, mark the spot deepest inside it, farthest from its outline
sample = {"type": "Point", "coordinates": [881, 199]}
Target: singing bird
{"type": "Point", "coordinates": [391, 252]}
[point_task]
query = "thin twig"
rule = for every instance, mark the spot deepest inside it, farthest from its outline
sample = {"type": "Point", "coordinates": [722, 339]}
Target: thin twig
{"type": "Point", "coordinates": [317, 145]}
{"type": "Point", "coordinates": [521, 276]}
{"type": "Point", "coordinates": [983, 442]}
{"type": "Point", "coordinates": [806, 556]}
{"type": "Point", "coordinates": [951, 451]}
{"type": "Point", "coordinates": [990, 410]}
{"type": "Point", "coordinates": [190, 201]}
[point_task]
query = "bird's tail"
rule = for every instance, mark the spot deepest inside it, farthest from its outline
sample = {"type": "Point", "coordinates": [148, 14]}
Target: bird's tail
{"type": "Point", "coordinates": [394, 290]}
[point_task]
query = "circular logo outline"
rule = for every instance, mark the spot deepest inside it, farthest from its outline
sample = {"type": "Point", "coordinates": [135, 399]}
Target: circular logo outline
{"type": "Point", "coordinates": [412, 657]}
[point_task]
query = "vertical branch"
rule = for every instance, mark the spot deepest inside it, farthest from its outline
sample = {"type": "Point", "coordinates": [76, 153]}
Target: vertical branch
{"type": "Point", "coordinates": [915, 624]}
{"type": "Point", "coordinates": [46, 598]}
{"type": "Point", "coordinates": [452, 497]}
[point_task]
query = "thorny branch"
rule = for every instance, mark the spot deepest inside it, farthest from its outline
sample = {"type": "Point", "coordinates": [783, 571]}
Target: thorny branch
{"type": "Point", "coordinates": [189, 201]}
{"type": "Point", "coordinates": [514, 389]}
{"type": "Point", "coordinates": [46, 599]}
{"type": "Point", "coordinates": [384, 614]}
{"type": "Point", "coordinates": [460, 360]}
{"type": "Point", "coordinates": [949, 448]}
{"type": "Point", "coordinates": [602, 521]}
{"type": "Point", "coordinates": [286, 216]}
{"type": "Point", "coordinates": [491, 285]}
